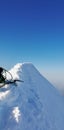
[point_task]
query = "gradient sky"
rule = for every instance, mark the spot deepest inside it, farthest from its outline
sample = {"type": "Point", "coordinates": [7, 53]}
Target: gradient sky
{"type": "Point", "coordinates": [33, 31]}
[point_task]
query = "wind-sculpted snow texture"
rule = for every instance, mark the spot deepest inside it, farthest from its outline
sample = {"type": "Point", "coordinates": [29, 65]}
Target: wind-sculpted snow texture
{"type": "Point", "coordinates": [31, 105]}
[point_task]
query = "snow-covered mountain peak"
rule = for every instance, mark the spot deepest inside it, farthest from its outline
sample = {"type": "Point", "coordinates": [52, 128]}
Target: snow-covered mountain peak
{"type": "Point", "coordinates": [24, 66]}
{"type": "Point", "coordinates": [23, 69]}
{"type": "Point", "coordinates": [31, 105]}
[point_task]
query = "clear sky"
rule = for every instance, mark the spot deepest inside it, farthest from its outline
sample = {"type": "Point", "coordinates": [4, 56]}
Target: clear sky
{"type": "Point", "coordinates": [33, 31]}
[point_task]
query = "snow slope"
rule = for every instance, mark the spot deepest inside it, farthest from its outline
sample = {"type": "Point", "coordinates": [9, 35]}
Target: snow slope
{"type": "Point", "coordinates": [32, 105]}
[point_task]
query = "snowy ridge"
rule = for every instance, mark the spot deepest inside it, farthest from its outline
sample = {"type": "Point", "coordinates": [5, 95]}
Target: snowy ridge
{"type": "Point", "coordinates": [33, 105]}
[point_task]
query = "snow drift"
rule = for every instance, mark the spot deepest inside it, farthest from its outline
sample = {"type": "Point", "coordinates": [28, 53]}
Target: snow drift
{"type": "Point", "coordinates": [32, 105]}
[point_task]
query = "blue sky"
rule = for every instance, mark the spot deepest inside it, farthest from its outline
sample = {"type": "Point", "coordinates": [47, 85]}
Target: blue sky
{"type": "Point", "coordinates": [32, 31]}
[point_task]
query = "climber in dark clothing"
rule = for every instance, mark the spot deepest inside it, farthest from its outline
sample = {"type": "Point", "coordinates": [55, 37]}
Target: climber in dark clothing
{"type": "Point", "coordinates": [2, 78]}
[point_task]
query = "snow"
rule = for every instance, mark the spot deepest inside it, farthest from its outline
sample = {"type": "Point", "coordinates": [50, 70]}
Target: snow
{"type": "Point", "coordinates": [31, 105]}
{"type": "Point", "coordinates": [16, 113]}
{"type": "Point", "coordinates": [3, 95]}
